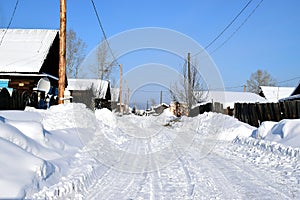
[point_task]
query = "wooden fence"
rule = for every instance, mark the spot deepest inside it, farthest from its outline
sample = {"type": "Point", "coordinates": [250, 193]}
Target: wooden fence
{"type": "Point", "coordinates": [210, 107]}
{"type": "Point", "coordinates": [255, 113]}
{"type": "Point", "coordinates": [17, 100]}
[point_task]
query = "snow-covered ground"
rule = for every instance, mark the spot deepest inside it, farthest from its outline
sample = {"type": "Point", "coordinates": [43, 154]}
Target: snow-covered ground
{"type": "Point", "coordinates": [69, 152]}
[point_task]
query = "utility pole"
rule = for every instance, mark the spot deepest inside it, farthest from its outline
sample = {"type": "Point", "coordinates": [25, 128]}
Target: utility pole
{"type": "Point", "coordinates": [189, 82]}
{"type": "Point", "coordinates": [128, 96]}
{"type": "Point", "coordinates": [160, 97]}
{"type": "Point", "coordinates": [121, 110]}
{"type": "Point", "coordinates": [125, 98]}
{"type": "Point", "coordinates": [62, 52]}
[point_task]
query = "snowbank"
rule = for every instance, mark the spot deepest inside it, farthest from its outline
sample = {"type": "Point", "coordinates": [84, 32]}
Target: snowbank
{"type": "Point", "coordinates": [223, 126]}
{"type": "Point", "coordinates": [106, 116]}
{"type": "Point", "coordinates": [21, 144]}
{"type": "Point", "coordinates": [286, 132]}
{"type": "Point", "coordinates": [38, 145]}
{"type": "Point", "coordinates": [19, 169]}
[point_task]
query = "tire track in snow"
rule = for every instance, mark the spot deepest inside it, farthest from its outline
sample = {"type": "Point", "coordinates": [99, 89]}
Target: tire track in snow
{"type": "Point", "coordinates": [104, 187]}
{"type": "Point", "coordinates": [179, 152]}
{"type": "Point", "coordinates": [271, 168]}
{"type": "Point", "coordinates": [253, 183]}
{"type": "Point", "coordinates": [122, 184]}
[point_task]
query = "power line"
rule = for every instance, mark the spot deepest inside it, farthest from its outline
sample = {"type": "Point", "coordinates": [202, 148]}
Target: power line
{"type": "Point", "coordinates": [221, 33]}
{"type": "Point", "coordinates": [152, 91]}
{"type": "Point", "coordinates": [103, 32]}
{"type": "Point", "coordinates": [10, 21]}
{"type": "Point", "coordinates": [288, 80]}
{"type": "Point", "coordinates": [253, 11]}
{"type": "Point", "coordinates": [226, 88]}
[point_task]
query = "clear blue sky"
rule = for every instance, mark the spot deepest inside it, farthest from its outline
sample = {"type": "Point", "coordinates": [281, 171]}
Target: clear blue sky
{"type": "Point", "coordinates": [269, 40]}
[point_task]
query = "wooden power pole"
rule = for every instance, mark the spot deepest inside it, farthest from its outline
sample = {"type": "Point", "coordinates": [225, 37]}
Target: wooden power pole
{"type": "Point", "coordinates": [189, 81]}
{"type": "Point", "coordinates": [160, 99]}
{"type": "Point", "coordinates": [121, 110]}
{"type": "Point", "coordinates": [62, 52]}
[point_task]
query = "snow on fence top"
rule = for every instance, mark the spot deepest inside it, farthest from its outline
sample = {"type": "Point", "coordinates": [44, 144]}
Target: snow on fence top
{"type": "Point", "coordinates": [24, 50]}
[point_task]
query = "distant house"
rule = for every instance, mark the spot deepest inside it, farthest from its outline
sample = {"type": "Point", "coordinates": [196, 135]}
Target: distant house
{"type": "Point", "coordinates": [297, 90]}
{"type": "Point", "coordinates": [223, 101]}
{"type": "Point", "coordinates": [27, 56]}
{"type": "Point", "coordinates": [94, 93]}
{"type": "Point", "coordinates": [273, 94]}
{"type": "Point", "coordinates": [179, 108]}
{"type": "Point", "coordinates": [158, 109]}
{"type": "Point", "coordinates": [228, 98]}
{"type": "Point", "coordinates": [295, 95]}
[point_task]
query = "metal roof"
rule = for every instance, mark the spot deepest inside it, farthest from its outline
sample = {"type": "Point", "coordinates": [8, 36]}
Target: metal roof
{"type": "Point", "coordinates": [24, 50]}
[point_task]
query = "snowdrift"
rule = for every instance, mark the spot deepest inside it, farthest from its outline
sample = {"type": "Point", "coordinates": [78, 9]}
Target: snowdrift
{"type": "Point", "coordinates": [31, 153]}
{"type": "Point", "coordinates": [21, 144]}
{"type": "Point", "coordinates": [286, 132]}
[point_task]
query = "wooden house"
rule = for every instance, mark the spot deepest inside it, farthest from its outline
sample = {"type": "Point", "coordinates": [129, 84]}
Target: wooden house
{"type": "Point", "coordinates": [94, 93]}
{"type": "Point", "coordinates": [274, 94]}
{"type": "Point", "coordinates": [158, 109]}
{"type": "Point", "coordinates": [224, 101]}
{"type": "Point", "coordinates": [295, 95]}
{"type": "Point", "coordinates": [26, 56]}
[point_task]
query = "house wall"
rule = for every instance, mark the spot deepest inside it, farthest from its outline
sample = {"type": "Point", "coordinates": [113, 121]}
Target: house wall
{"type": "Point", "coordinates": [83, 96]}
{"type": "Point", "coordinates": [51, 63]}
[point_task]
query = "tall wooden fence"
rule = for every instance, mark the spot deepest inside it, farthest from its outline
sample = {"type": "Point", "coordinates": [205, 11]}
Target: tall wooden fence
{"type": "Point", "coordinates": [255, 113]}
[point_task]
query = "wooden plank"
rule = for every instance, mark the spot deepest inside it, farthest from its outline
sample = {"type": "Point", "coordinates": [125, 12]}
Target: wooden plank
{"type": "Point", "coordinates": [282, 110]}
{"type": "Point", "coordinates": [276, 110]}
{"type": "Point", "coordinates": [298, 109]}
{"type": "Point", "coordinates": [293, 109]}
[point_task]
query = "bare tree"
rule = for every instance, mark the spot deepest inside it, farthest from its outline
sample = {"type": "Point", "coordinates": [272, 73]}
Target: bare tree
{"type": "Point", "coordinates": [105, 62]}
{"type": "Point", "coordinates": [190, 90]}
{"type": "Point", "coordinates": [259, 78]}
{"type": "Point", "coordinates": [75, 54]}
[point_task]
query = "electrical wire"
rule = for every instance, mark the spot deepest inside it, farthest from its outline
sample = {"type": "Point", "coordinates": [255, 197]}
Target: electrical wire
{"type": "Point", "coordinates": [222, 32]}
{"type": "Point", "coordinates": [242, 24]}
{"type": "Point", "coordinates": [288, 80]}
{"type": "Point", "coordinates": [103, 32]}
{"type": "Point", "coordinates": [10, 21]}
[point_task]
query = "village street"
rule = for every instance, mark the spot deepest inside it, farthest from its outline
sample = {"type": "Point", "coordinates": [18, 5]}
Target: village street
{"type": "Point", "coordinates": [139, 158]}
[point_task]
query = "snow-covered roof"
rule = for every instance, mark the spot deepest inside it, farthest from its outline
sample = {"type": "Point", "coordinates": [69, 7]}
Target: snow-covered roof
{"type": "Point", "coordinates": [99, 86]}
{"type": "Point", "coordinates": [293, 97]}
{"type": "Point", "coordinates": [24, 50]}
{"type": "Point", "coordinates": [228, 98]}
{"type": "Point", "coordinates": [297, 90]}
{"type": "Point", "coordinates": [162, 104]}
{"type": "Point", "coordinates": [273, 94]}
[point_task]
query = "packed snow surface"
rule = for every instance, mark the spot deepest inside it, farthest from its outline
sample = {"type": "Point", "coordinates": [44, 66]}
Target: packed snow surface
{"type": "Point", "coordinates": [70, 152]}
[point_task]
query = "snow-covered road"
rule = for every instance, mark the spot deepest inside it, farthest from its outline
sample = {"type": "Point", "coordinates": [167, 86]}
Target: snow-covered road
{"type": "Point", "coordinates": [104, 156]}
{"type": "Point", "coordinates": [140, 158]}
